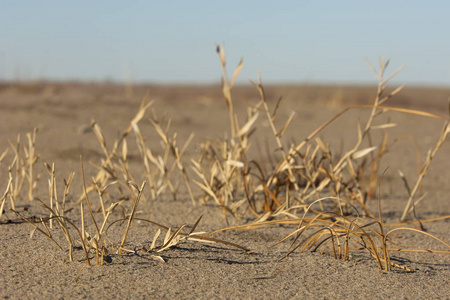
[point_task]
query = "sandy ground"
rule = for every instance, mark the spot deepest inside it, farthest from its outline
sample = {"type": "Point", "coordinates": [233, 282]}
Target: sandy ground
{"type": "Point", "coordinates": [34, 268]}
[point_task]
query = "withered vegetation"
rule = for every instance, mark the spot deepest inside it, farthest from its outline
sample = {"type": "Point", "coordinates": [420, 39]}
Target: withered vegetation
{"type": "Point", "coordinates": [326, 198]}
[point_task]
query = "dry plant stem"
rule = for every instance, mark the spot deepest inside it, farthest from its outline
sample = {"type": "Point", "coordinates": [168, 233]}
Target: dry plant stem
{"type": "Point", "coordinates": [46, 232]}
{"type": "Point", "coordinates": [417, 221]}
{"type": "Point", "coordinates": [421, 232]}
{"type": "Point", "coordinates": [227, 85]}
{"type": "Point", "coordinates": [3, 155]}
{"type": "Point", "coordinates": [67, 185]}
{"type": "Point", "coordinates": [423, 172]}
{"type": "Point", "coordinates": [83, 234]}
{"type": "Point", "coordinates": [11, 192]}
{"type": "Point", "coordinates": [31, 161]}
{"type": "Point", "coordinates": [385, 252]}
{"type": "Point", "coordinates": [83, 242]}
{"type": "Point", "coordinates": [61, 221]}
{"type": "Point", "coordinates": [418, 157]}
{"type": "Point", "coordinates": [359, 198]}
{"type": "Point", "coordinates": [335, 117]}
{"type": "Point", "coordinates": [226, 90]}
{"type": "Point", "coordinates": [4, 197]}
{"type": "Point", "coordinates": [177, 155]}
{"type": "Point", "coordinates": [89, 203]}
{"type": "Point", "coordinates": [197, 237]}
{"type": "Point", "coordinates": [171, 143]}
{"type": "Point", "coordinates": [204, 185]}
{"type": "Point", "coordinates": [108, 213]}
{"type": "Point", "coordinates": [278, 134]}
{"type": "Point", "coordinates": [19, 178]}
{"type": "Point", "coordinates": [133, 211]}
{"type": "Point", "coordinates": [170, 240]}
{"type": "Point", "coordinates": [140, 114]}
{"type": "Point", "coordinates": [62, 224]}
{"type": "Point", "coordinates": [375, 165]}
{"type": "Point", "coordinates": [51, 190]}
{"type": "Point", "coordinates": [83, 227]}
{"type": "Point", "coordinates": [373, 114]}
{"type": "Point", "coordinates": [100, 196]}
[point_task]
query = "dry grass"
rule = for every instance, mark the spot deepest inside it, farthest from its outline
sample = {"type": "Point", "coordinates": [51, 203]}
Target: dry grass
{"type": "Point", "coordinates": [309, 174]}
{"type": "Point", "coordinates": [324, 196]}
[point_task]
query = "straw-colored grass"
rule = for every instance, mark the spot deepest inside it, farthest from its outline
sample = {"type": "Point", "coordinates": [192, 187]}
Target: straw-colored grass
{"type": "Point", "coordinates": [324, 196]}
{"type": "Point", "coordinates": [293, 192]}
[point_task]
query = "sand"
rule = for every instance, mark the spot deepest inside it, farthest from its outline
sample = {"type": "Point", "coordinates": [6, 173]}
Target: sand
{"type": "Point", "coordinates": [32, 267]}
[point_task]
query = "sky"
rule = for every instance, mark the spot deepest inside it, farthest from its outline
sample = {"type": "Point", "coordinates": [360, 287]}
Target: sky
{"type": "Point", "coordinates": [174, 41]}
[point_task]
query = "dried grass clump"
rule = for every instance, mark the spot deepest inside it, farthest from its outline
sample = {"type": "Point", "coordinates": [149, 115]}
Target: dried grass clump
{"type": "Point", "coordinates": [305, 171]}
{"type": "Point", "coordinates": [22, 177]}
{"type": "Point", "coordinates": [92, 233]}
{"type": "Point", "coordinates": [157, 169]}
{"type": "Point", "coordinates": [308, 173]}
{"type": "Point", "coordinates": [90, 230]}
{"type": "Point", "coordinates": [341, 235]}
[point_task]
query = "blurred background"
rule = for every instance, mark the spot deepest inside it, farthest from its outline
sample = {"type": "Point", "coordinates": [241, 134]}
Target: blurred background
{"type": "Point", "coordinates": [172, 42]}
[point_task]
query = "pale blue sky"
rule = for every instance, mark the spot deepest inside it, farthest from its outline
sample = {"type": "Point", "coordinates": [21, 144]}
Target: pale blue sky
{"type": "Point", "coordinates": [173, 41]}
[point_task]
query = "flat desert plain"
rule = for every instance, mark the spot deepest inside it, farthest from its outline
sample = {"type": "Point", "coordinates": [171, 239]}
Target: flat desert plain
{"type": "Point", "coordinates": [33, 267]}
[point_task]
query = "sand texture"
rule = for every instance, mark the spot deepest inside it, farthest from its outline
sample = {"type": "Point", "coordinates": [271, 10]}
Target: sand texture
{"type": "Point", "coordinates": [34, 268]}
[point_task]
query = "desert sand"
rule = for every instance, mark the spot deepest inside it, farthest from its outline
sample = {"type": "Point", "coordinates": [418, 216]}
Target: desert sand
{"type": "Point", "coordinates": [34, 268]}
